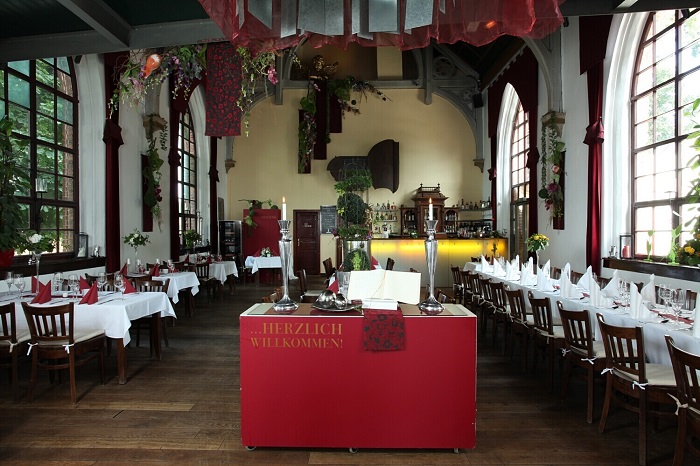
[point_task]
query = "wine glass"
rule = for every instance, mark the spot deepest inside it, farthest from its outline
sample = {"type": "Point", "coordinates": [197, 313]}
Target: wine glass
{"type": "Point", "coordinates": [171, 266]}
{"type": "Point", "coordinates": [119, 284]}
{"type": "Point", "coordinates": [57, 282]}
{"type": "Point", "coordinates": [677, 302]}
{"type": "Point", "coordinates": [19, 283]}
{"type": "Point", "coordinates": [73, 284]}
{"type": "Point", "coordinates": [9, 280]}
{"type": "Point", "coordinates": [101, 280]}
{"type": "Point", "coordinates": [665, 295]}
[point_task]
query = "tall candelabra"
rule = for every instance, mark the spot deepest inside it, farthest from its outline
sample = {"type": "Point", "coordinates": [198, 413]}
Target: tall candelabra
{"type": "Point", "coordinates": [431, 305]}
{"type": "Point", "coordinates": [285, 305]}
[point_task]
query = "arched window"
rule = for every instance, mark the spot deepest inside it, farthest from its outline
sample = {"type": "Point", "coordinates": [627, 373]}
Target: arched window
{"type": "Point", "coordinates": [666, 77]}
{"type": "Point", "coordinates": [40, 96]}
{"type": "Point", "coordinates": [519, 180]}
{"type": "Point", "coordinates": [187, 178]}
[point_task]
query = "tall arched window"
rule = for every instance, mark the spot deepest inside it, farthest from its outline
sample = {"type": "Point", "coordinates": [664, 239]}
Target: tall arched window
{"type": "Point", "coordinates": [519, 181]}
{"type": "Point", "coordinates": [187, 178]}
{"type": "Point", "coordinates": [666, 77]}
{"type": "Point", "coordinates": [41, 97]}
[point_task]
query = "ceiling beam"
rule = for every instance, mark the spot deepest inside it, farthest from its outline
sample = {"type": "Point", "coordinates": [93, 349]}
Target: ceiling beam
{"type": "Point", "coordinates": [84, 43]}
{"type": "Point", "coordinates": [100, 17]}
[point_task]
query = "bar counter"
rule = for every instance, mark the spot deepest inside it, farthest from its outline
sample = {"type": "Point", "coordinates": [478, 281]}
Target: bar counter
{"type": "Point", "coordinates": [410, 253]}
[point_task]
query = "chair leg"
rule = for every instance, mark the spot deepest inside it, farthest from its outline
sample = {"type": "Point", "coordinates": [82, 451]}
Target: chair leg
{"type": "Point", "coordinates": [566, 378]}
{"type": "Point", "coordinates": [642, 429]}
{"type": "Point", "coordinates": [71, 376]}
{"type": "Point", "coordinates": [14, 379]}
{"type": "Point", "coordinates": [163, 326]}
{"type": "Point", "coordinates": [606, 403]}
{"type": "Point", "coordinates": [32, 377]}
{"type": "Point", "coordinates": [680, 437]}
{"type": "Point", "coordinates": [591, 389]}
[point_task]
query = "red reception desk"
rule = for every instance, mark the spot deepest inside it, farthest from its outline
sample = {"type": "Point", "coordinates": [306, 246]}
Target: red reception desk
{"type": "Point", "coordinates": [306, 381]}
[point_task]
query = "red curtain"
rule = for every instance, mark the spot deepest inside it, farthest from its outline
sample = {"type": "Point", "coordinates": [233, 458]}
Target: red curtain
{"type": "Point", "coordinates": [593, 35]}
{"type": "Point", "coordinates": [477, 22]}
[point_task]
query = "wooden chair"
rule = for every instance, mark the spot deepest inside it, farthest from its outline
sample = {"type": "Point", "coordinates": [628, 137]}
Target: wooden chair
{"type": "Point", "coordinates": [467, 291]}
{"type": "Point", "coordinates": [329, 269]}
{"type": "Point", "coordinates": [206, 282]}
{"type": "Point", "coordinates": [93, 278]}
{"type": "Point", "coordinates": [581, 351]}
{"type": "Point", "coordinates": [547, 336]}
{"type": "Point", "coordinates": [555, 273]}
{"type": "Point", "coordinates": [443, 297]}
{"type": "Point", "coordinates": [575, 277]}
{"type": "Point", "coordinates": [686, 367]}
{"type": "Point", "coordinates": [487, 306]}
{"type": "Point", "coordinates": [457, 284]}
{"type": "Point", "coordinates": [521, 322]}
{"type": "Point", "coordinates": [477, 300]}
{"type": "Point", "coordinates": [411, 269]}
{"type": "Point", "coordinates": [501, 314]}
{"type": "Point", "coordinates": [271, 298]}
{"type": "Point", "coordinates": [306, 295]}
{"type": "Point", "coordinates": [12, 344]}
{"type": "Point", "coordinates": [630, 378]}
{"type": "Point", "coordinates": [55, 345]}
{"type": "Point", "coordinates": [390, 263]}
{"type": "Point", "coordinates": [146, 285]}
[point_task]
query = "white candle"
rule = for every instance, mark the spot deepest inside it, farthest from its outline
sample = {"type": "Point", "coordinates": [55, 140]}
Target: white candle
{"type": "Point", "coordinates": [430, 208]}
{"type": "Point", "coordinates": [284, 209]}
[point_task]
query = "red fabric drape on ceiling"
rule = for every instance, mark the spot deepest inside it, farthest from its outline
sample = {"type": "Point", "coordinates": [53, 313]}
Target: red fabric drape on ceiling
{"type": "Point", "coordinates": [522, 75]}
{"type": "Point", "coordinates": [477, 22]}
{"type": "Point", "coordinates": [222, 88]}
{"type": "Point", "coordinates": [593, 36]}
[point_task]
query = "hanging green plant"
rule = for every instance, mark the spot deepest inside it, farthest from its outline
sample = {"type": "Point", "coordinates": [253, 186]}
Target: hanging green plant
{"type": "Point", "coordinates": [553, 150]}
{"type": "Point", "coordinates": [152, 197]}
{"type": "Point", "coordinates": [253, 205]}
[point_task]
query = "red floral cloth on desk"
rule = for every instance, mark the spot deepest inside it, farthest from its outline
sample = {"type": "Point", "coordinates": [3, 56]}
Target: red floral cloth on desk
{"type": "Point", "coordinates": [383, 330]}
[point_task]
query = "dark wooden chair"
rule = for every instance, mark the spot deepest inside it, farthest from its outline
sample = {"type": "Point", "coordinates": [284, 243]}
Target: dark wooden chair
{"type": "Point", "coordinates": [555, 273]}
{"type": "Point", "coordinates": [546, 336]}
{"type": "Point", "coordinates": [581, 351]}
{"type": "Point", "coordinates": [12, 345]}
{"type": "Point", "coordinates": [306, 295]}
{"type": "Point", "coordinates": [146, 285]}
{"type": "Point", "coordinates": [411, 269]}
{"type": "Point", "coordinates": [93, 278]}
{"type": "Point", "coordinates": [521, 322]}
{"type": "Point", "coordinates": [501, 315]}
{"type": "Point", "coordinates": [633, 383]}
{"type": "Point", "coordinates": [457, 284]}
{"type": "Point", "coordinates": [55, 345]}
{"type": "Point", "coordinates": [686, 367]}
{"type": "Point", "coordinates": [329, 269]}
{"type": "Point", "coordinates": [210, 284]}
{"type": "Point", "coordinates": [487, 307]}
{"type": "Point", "coordinates": [390, 264]}
{"type": "Point", "coordinates": [575, 277]}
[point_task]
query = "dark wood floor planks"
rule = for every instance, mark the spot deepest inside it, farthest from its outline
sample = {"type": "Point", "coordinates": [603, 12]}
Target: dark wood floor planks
{"type": "Point", "coordinates": [185, 410]}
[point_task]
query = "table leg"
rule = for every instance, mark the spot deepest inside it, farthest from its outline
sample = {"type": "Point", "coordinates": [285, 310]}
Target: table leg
{"type": "Point", "coordinates": [155, 333]}
{"type": "Point", "coordinates": [121, 361]}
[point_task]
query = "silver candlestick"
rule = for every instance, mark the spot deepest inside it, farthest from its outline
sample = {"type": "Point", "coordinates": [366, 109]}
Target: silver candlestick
{"type": "Point", "coordinates": [285, 305]}
{"type": "Point", "coordinates": [431, 306]}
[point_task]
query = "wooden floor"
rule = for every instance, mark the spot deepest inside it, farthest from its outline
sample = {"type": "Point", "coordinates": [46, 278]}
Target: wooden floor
{"type": "Point", "coordinates": [185, 410]}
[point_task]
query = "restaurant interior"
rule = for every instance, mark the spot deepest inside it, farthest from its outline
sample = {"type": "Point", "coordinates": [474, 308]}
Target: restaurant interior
{"type": "Point", "coordinates": [179, 179]}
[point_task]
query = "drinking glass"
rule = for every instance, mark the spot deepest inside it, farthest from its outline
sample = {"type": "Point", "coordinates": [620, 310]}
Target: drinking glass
{"type": "Point", "coordinates": [19, 283]}
{"type": "Point", "coordinates": [57, 282]}
{"type": "Point", "coordinates": [171, 266]}
{"type": "Point", "coordinates": [119, 284]}
{"type": "Point", "coordinates": [665, 295]}
{"type": "Point", "coordinates": [139, 266]}
{"type": "Point", "coordinates": [9, 280]}
{"type": "Point", "coordinates": [677, 302]}
{"type": "Point", "coordinates": [101, 280]}
{"type": "Point", "coordinates": [74, 284]}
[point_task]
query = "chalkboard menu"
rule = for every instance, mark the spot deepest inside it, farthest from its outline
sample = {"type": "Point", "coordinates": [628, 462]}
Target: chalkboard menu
{"type": "Point", "coordinates": [329, 219]}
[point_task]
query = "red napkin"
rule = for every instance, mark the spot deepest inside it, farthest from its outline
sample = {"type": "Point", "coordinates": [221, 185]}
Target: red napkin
{"type": "Point", "coordinates": [91, 296]}
{"type": "Point", "coordinates": [83, 284]}
{"type": "Point", "coordinates": [383, 330]}
{"type": "Point", "coordinates": [124, 269]}
{"type": "Point", "coordinates": [155, 271]}
{"type": "Point", "coordinates": [209, 260]}
{"type": "Point", "coordinates": [44, 295]}
{"type": "Point", "coordinates": [334, 286]}
{"type": "Point", "coordinates": [187, 259]}
{"type": "Point", "coordinates": [36, 285]}
{"type": "Point", "coordinates": [375, 263]}
{"type": "Point", "coordinates": [128, 287]}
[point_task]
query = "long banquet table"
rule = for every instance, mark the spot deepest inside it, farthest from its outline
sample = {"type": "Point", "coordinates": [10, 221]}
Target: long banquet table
{"type": "Point", "coordinates": [653, 330]}
{"type": "Point", "coordinates": [111, 314]}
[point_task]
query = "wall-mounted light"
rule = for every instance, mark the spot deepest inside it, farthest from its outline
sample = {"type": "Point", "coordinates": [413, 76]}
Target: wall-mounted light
{"type": "Point", "coordinates": [40, 187]}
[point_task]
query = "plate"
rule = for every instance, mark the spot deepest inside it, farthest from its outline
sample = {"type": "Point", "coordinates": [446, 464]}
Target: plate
{"type": "Point", "coordinates": [349, 307]}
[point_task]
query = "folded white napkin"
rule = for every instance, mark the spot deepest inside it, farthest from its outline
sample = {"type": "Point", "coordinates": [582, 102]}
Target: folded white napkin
{"type": "Point", "coordinates": [510, 271]}
{"type": "Point", "coordinates": [524, 272]}
{"type": "Point", "coordinates": [637, 308]}
{"type": "Point", "coordinates": [530, 265]}
{"type": "Point", "coordinates": [585, 282]}
{"type": "Point", "coordinates": [498, 270]}
{"type": "Point", "coordinates": [544, 283]}
{"type": "Point", "coordinates": [546, 268]}
{"type": "Point", "coordinates": [611, 289]}
{"type": "Point", "coordinates": [516, 262]}
{"type": "Point", "coordinates": [485, 266]}
{"type": "Point", "coordinates": [696, 323]}
{"type": "Point", "coordinates": [568, 290]}
{"type": "Point", "coordinates": [567, 270]}
{"type": "Point", "coordinates": [649, 291]}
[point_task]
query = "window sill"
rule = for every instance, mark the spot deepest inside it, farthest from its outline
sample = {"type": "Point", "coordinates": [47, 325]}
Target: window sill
{"type": "Point", "coordinates": [48, 266]}
{"type": "Point", "coordinates": [660, 269]}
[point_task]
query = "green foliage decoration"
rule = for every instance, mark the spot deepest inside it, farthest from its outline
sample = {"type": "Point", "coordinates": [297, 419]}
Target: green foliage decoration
{"type": "Point", "coordinates": [151, 172]}
{"type": "Point", "coordinates": [13, 179]}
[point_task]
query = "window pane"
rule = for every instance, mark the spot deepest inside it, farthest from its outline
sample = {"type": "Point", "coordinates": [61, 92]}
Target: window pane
{"type": "Point", "coordinates": [647, 57]}
{"type": "Point", "coordinates": [645, 218]}
{"type": "Point", "coordinates": [665, 127]}
{"type": "Point", "coordinates": [645, 163]}
{"type": "Point", "coordinates": [665, 185]}
{"type": "Point", "coordinates": [65, 110]}
{"type": "Point", "coordinates": [18, 90]}
{"type": "Point", "coordinates": [45, 102]}
{"type": "Point", "coordinates": [643, 134]}
{"type": "Point", "coordinates": [21, 66]}
{"type": "Point", "coordinates": [690, 31]}
{"type": "Point", "coordinates": [690, 57]}
{"type": "Point", "coordinates": [687, 120]}
{"type": "Point", "coordinates": [665, 51]}
{"type": "Point", "coordinates": [2, 108]}
{"type": "Point", "coordinates": [62, 64]}
{"type": "Point", "coordinates": [20, 116]}
{"type": "Point", "coordinates": [689, 87]}
{"type": "Point", "coordinates": [665, 158]}
{"type": "Point", "coordinates": [67, 242]}
{"type": "Point", "coordinates": [65, 188]}
{"type": "Point", "coordinates": [65, 84]}
{"type": "Point", "coordinates": [644, 108]}
{"type": "Point", "coordinates": [644, 81]}
{"type": "Point", "coordinates": [44, 73]}
{"type": "Point", "coordinates": [687, 177]}
{"type": "Point", "coordinates": [65, 135]}
{"type": "Point", "coordinates": [666, 98]}
{"type": "Point", "coordinates": [664, 19]}
{"type": "Point", "coordinates": [2, 85]}
{"type": "Point", "coordinates": [644, 188]}
{"type": "Point", "coordinates": [45, 128]}
{"type": "Point", "coordinates": [45, 158]}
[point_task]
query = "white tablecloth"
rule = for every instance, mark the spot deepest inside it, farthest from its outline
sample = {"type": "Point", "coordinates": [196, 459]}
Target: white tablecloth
{"type": "Point", "coordinates": [654, 332]}
{"type": "Point", "coordinates": [274, 262]}
{"type": "Point", "coordinates": [179, 281]}
{"type": "Point", "coordinates": [221, 270]}
{"type": "Point", "coordinates": [110, 313]}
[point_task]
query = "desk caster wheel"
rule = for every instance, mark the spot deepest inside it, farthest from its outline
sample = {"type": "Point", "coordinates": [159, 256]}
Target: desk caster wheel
{"type": "Point", "coordinates": [353, 450]}
{"type": "Point", "coordinates": [249, 448]}
{"type": "Point", "coordinates": [456, 450]}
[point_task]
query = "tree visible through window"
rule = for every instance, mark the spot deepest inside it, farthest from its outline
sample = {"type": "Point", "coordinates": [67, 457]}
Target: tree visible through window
{"type": "Point", "coordinates": [519, 181]}
{"type": "Point", "coordinates": [187, 176]}
{"type": "Point", "coordinates": [665, 85]}
{"type": "Point", "coordinates": [41, 97]}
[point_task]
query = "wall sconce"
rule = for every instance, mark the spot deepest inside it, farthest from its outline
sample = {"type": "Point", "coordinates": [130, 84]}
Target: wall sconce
{"type": "Point", "coordinates": [40, 187]}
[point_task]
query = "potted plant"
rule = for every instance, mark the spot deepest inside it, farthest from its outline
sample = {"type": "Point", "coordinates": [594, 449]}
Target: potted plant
{"type": "Point", "coordinates": [356, 219]}
{"type": "Point", "coordinates": [191, 237]}
{"type": "Point", "coordinates": [13, 179]}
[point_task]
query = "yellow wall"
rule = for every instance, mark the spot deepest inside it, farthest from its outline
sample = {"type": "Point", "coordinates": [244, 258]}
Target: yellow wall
{"type": "Point", "coordinates": [436, 145]}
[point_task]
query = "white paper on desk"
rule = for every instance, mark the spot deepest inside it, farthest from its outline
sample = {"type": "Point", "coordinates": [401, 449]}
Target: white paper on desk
{"type": "Point", "coordinates": [611, 289]}
{"type": "Point", "coordinates": [649, 291]}
{"type": "Point", "coordinates": [385, 284]}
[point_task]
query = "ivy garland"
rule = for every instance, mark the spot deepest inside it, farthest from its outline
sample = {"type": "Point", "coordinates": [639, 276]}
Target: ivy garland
{"type": "Point", "coordinates": [552, 153]}
{"type": "Point", "coordinates": [151, 172]}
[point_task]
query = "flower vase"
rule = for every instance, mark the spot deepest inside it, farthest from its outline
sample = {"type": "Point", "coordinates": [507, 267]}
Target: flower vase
{"type": "Point", "coordinates": [537, 260]}
{"type": "Point", "coordinates": [36, 255]}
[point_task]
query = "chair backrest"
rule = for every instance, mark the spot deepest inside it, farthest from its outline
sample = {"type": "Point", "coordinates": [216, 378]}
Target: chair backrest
{"type": "Point", "coordinates": [52, 325]}
{"type": "Point", "coordinates": [475, 285]}
{"type": "Point", "coordinates": [411, 269]}
{"type": "Point", "coordinates": [328, 267]}
{"type": "Point", "coordinates": [152, 285]}
{"type": "Point", "coordinates": [301, 273]}
{"type": "Point", "coordinates": [271, 298]}
{"type": "Point", "coordinates": [93, 278]}
{"type": "Point", "coordinates": [498, 295]}
{"type": "Point", "coordinates": [555, 273]}
{"type": "Point", "coordinates": [390, 264]}
{"type": "Point", "coordinates": [456, 276]}
{"type": "Point", "coordinates": [202, 271]}
{"type": "Point", "coordinates": [542, 312]}
{"type": "Point", "coordinates": [443, 297]}
{"type": "Point", "coordinates": [161, 266]}
{"type": "Point", "coordinates": [624, 349]}
{"type": "Point", "coordinates": [485, 287]}
{"type": "Point", "coordinates": [690, 299]}
{"type": "Point", "coordinates": [686, 367]}
{"type": "Point", "coordinates": [575, 277]}
{"type": "Point", "coordinates": [516, 300]}
{"type": "Point", "coordinates": [603, 282]}
{"type": "Point", "coordinates": [577, 331]}
{"type": "Point", "coordinates": [8, 323]}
